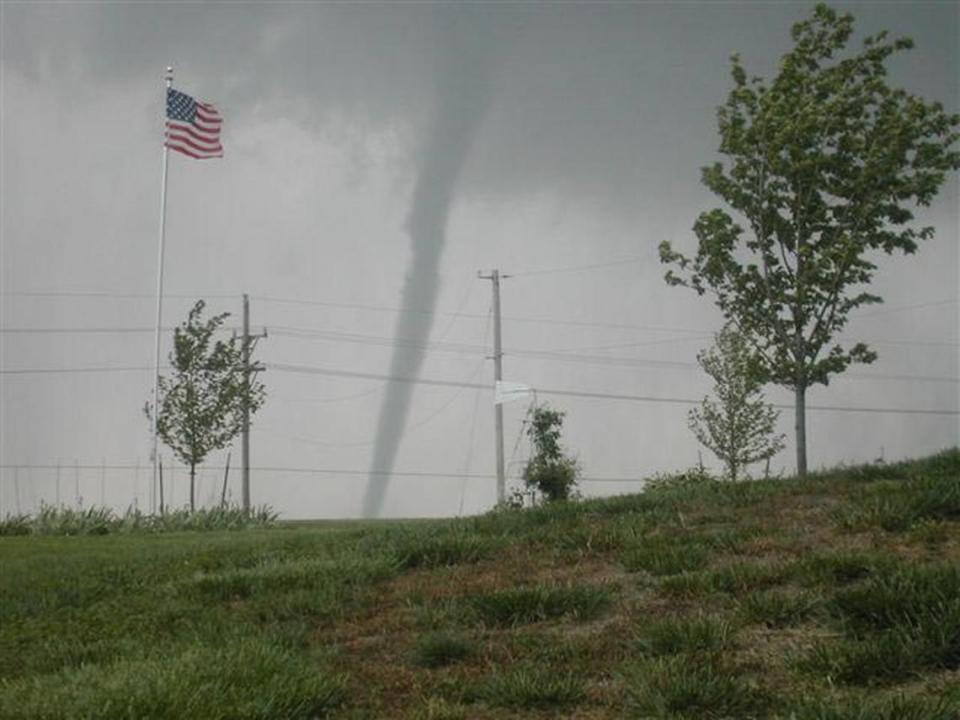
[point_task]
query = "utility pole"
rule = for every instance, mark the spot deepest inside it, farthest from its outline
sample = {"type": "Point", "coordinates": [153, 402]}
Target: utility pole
{"type": "Point", "coordinates": [494, 277]}
{"type": "Point", "coordinates": [245, 432]}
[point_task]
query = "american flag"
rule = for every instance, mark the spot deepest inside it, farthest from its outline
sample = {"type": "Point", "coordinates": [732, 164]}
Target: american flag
{"type": "Point", "coordinates": [193, 127]}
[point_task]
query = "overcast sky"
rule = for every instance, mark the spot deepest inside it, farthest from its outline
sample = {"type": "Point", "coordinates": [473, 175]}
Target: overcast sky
{"type": "Point", "coordinates": [558, 142]}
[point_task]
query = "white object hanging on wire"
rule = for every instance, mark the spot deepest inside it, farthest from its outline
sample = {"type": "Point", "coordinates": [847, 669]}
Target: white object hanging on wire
{"type": "Point", "coordinates": [504, 392]}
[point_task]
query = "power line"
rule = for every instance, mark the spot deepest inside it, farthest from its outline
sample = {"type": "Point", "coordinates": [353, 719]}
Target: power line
{"type": "Point", "coordinates": [110, 294]}
{"type": "Point", "coordinates": [94, 330]}
{"type": "Point", "coordinates": [578, 268]}
{"type": "Point", "coordinates": [66, 371]}
{"type": "Point", "coordinates": [903, 308]}
{"type": "Point", "coordinates": [455, 475]}
{"type": "Point", "coordinates": [587, 394]}
{"type": "Point", "coordinates": [332, 372]}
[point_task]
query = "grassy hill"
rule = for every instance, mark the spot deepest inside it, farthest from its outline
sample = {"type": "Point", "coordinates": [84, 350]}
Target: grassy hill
{"type": "Point", "coordinates": [832, 598]}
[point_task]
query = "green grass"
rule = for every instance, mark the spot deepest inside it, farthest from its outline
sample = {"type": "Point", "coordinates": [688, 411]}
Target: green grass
{"type": "Point", "coordinates": [528, 688]}
{"type": "Point", "coordinates": [246, 678]}
{"type": "Point", "coordinates": [779, 608]}
{"type": "Point", "coordinates": [658, 557]}
{"type": "Point", "coordinates": [438, 649]}
{"type": "Point", "coordinates": [52, 520]}
{"type": "Point", "coordinates": [538, 603]}
{"type": "Point", "coordinates": [675, 687]}
{"type": "Point", "coordinates": [897, 707]}
{"type": "Point", "coordinates": [834, 597]}
{"type": "Point", "coordinates": [695, 634]}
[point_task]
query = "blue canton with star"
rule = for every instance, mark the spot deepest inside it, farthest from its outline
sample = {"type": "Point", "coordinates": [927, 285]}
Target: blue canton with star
{"type": "Point", "coordinates": [180, 106]}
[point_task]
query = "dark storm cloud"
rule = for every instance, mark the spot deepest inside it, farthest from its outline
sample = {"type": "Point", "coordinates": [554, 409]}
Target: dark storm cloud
{"type": "Point", "coordinates": [593, 98]}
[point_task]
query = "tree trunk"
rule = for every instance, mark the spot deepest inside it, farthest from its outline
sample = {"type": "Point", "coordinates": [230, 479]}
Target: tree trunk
{"type": "Point", "coordinates": [193, 475]}
{"type": "Point", "coordinates": [801, 427]}
{"type": "Point", "coordinates": [161, 485]}
{"type": "Point", "coordinates": [226, 474]}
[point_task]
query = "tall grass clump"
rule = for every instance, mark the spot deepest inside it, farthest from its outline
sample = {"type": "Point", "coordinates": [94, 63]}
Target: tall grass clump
{"type": "Point", "coordinates": [442, 547]}
{"type": "Point", "coordinates": [518, 606]}
{"type": "Point", "coordinates": [660, 556]}
{"type": "Point", "coordinates": [528, 688]}
{"type": "Point", "coordinates": [52, 520]}
{"type": "Point", "coordinates": [898, 625]}
{"type": "Point", "coordinates": [245, 679]}
{"type": "Point", "coordinates": [898, 707]}
{"type": "Point", "coordinates": [438, 649]}
{"type": "Point", "coordinates": [690, 635]}
{"type": "Point", "coordinates": [14, 525]}
{"type": "Point", "coordinates": [779, 608]}
{"type": "Point", "coordinates": [903, 504]}
{"type": "Point", "coordinates": [676, 687]}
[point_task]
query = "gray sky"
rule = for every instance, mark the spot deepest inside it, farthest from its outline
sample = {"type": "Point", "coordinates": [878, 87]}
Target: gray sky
{"type": "Point", "coordinates": [589, 123]}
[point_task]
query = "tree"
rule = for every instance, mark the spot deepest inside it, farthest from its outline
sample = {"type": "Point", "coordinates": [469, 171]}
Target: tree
{"type": "Point", "coordinates": [826, 165]}
{"type": "Point", "coordinates": [202, 405]}
{"type": "Point", "coordinates": [738, 427]}
{"type": "Point", "coordinates": [549, 470]}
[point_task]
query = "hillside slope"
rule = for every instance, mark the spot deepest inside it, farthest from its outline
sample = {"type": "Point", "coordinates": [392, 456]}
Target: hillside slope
{"type": "Point", "coordinates": [832, 598]}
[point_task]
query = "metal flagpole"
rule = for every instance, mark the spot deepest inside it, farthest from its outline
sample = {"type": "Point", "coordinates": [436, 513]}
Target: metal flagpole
{"type": "Point", "coordinates": [163, 217]}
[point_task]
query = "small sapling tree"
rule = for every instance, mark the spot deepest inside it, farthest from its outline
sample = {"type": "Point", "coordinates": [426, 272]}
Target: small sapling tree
{"type": "Point", "coordinates": [826, 165]}
{"type": "Point", "coordinates": [736, 424]}
{"type": "Point", "coordinates": [549, 470]}
{"type": "Point", "coordinates": [212, 386]}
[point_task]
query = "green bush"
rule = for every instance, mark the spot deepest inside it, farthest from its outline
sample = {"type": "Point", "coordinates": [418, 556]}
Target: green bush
{"type": "Point", "coordinates": [693, 478]}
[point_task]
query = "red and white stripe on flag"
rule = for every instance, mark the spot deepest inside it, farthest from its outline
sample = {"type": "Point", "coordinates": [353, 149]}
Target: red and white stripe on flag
{"type": "Point", "coordinates": [193, 127]}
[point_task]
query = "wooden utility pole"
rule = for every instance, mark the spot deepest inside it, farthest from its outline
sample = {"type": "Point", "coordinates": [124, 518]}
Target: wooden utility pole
{"type": "Point", "coordinates": [494, 277]}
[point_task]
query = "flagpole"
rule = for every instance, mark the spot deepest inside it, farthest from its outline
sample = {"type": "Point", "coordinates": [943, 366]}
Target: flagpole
{"type": "Point", "coordinates": [163, 217]}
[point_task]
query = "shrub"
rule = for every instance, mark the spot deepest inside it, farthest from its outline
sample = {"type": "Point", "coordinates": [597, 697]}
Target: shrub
{"type": "Point", "coordinates": [549, 470]}
{"type": "Point", "coordinates": [694, 477]}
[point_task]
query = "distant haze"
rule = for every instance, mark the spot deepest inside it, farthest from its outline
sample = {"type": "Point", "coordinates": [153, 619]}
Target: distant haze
{"type": "Point", "coordinates": [376, 157]}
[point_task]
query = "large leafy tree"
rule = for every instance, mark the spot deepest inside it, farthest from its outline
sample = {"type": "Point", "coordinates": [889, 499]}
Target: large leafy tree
{"type": "Point", "coordinates": [203, 402]}
{"type": "Point", "coordinates": [826, 165]}
{"type": "Point", "coordinates": [735, 424]}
